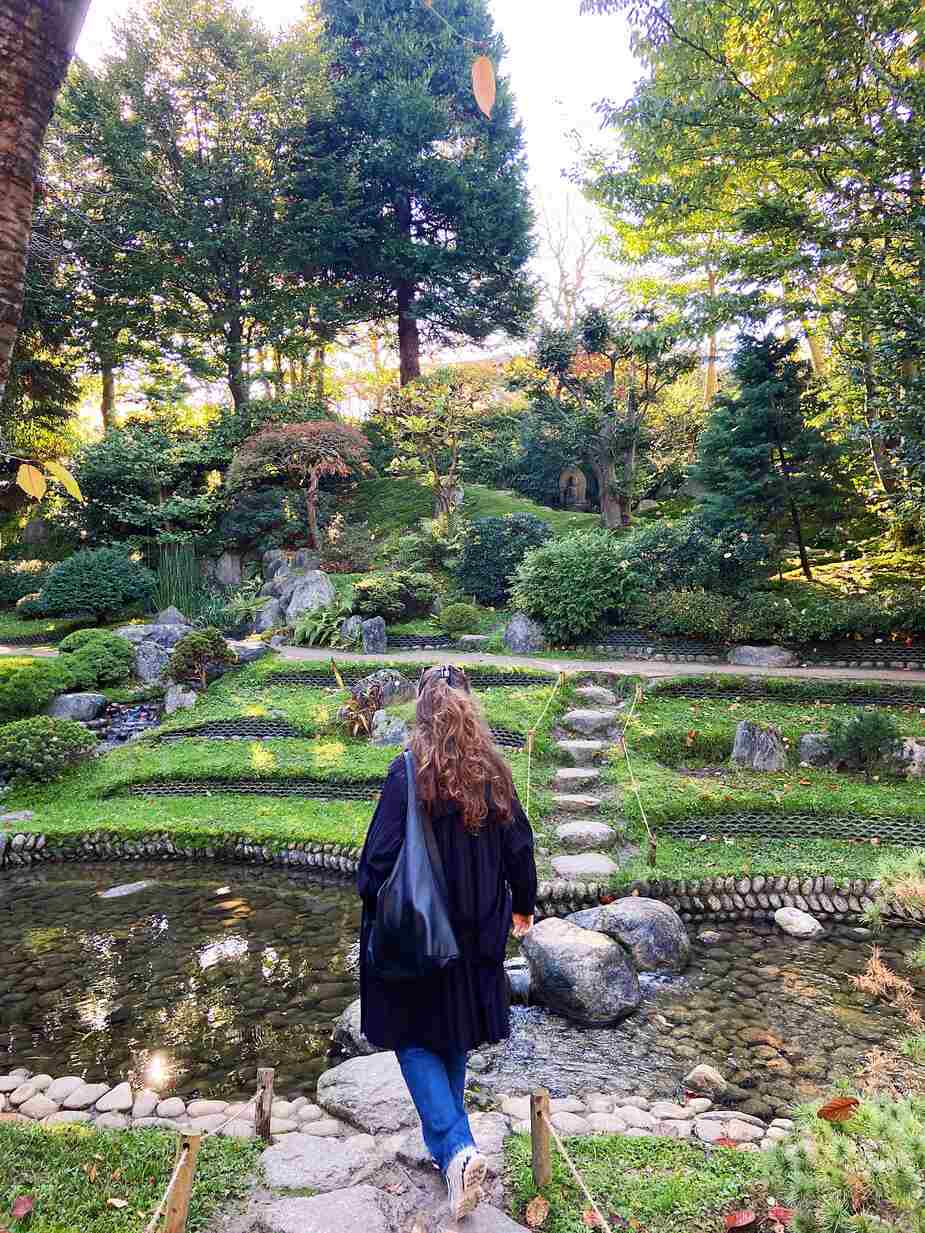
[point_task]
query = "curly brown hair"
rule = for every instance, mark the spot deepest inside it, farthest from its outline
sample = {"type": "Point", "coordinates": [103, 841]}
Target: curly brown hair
{"type": "Point", "coordinates": [454, 755]}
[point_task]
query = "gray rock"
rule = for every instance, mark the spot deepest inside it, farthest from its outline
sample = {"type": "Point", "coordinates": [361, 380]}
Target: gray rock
{"type": "Point", "coordinates": [585, 836]}
{"type": "Point", "coordinates": [373, 636]}
{"type": "Point", "coordinates": [651, 931]}
{"type": "Point", "coordinates": [112, 1121]}
{"type": "Point", "coordinates": [38, 1106]}
{"type": "Point", "coordinates": [228, 570]}
{"type": "Point", "coordinates": [586, 865]}
{"type": "Point", "coordinates": [281, 585]}
{"type": "Point", "coordinates": [347, 1036]}
{"type": "Point", "coordinates": [388, 730]}
{"type": "Point", "coordinates": [368, 1092]}
{"type": "Point", "coordinates": [705, 1078]}
{"type": "Point", "coordinates": [762, 657]}
{"type": "Point", "coordinates": [815, 749]}
{"type": "Point", "coordinates": [591, 721]}
{"type": "Point", "coordinates": [62, 1088]}
{"type": "Point", "coordinates": [758, 748]}
{"type": "Point", "coordinates": [306, 558]}
{"type": "Point", "coordinates": [798, 924]}
{"type": "Point", "coordinates": [582, 975]}
{"type": "Point", "coordinates": [351, 631]}
{"type": "Point", "coordinates": [359, 1209]}
{"type": "Point", "coordinates": [912, 757]}
{"type": "Point", "coordinates": [173, 1106]}
{"type": "Point", "coordinates": [596, 695]}
{"type": "Point", "coordinates": [163, 635]}
{"type": "Point", "coordinates": [150, 662]}
{"type": "Point", "coordinates": [270, 616]}
{"type": "Point", "coordinates": [248, 652]}
{"type": "Point", "coordinates": [272, 561]}
{"type": "Point", "coordinates": [84, 1096]}
{"type": "Point", "coordinates": [179, 698]}
{"type": "Point", "coordinates": [171, 616]}
{"type": "Point", "coordinates": [119, 1100]}
{"type": "Point", "coordinates": [127, 888]}
{"type": "Point", "coordinates": [145, 1103]}
{"type": "Point", "coordinates": [523, 636]}
{"type": "Point", "coordinates": [77, 706]}
{"type": "Point", "coordinates": [474, 642]}
{"type": "Point", "coordinates": [311, 591]}
{"type": "Point", "coordinates": [68, 1117]}
{"type": "Point", "coordinates": [395, 687]}
{"type": "Point", "coordinates": [303, 1161]}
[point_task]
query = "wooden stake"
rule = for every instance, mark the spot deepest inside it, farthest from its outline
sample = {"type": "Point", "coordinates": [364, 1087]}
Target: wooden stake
{"type": "Point", "coordinates": [178, 1203]}
{"type": "Point", "coordinates": [539, 1137]}
{"type": "Point", "coordinates": [264, 1112]}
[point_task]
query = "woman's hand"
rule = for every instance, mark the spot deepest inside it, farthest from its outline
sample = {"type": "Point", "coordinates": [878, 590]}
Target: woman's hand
{"type": "Point", "coordinates": [521, 924]}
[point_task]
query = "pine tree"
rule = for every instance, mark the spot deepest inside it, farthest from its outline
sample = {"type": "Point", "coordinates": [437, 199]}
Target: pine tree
{"type": "Point", "coordinates": [435, 223]}
{"type": "Point", "coordinates": [759, 454]}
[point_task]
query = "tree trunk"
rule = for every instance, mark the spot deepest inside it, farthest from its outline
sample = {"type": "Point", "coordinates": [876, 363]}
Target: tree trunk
{"type": "Point", "coordinates": [311, 513]}
{"type": "Point", "coordinates": [816, 353]}
{"type": "Point", "coordinates": [37, 40]}
{"type": "Point", "coordinates": [235, 360]}
{"type": "Point", "coordinates": [318, 371]}
{"type": "Point", "coordinates": [794, 515]}
{"type": "Point", "coordinates": [108, 401]}
{"type": "Point", "coordinates": [611, 507]}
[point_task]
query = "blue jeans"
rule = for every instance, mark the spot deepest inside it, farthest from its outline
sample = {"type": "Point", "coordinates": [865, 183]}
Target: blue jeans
{"type": "Point", "coordinates": [437, 1083]}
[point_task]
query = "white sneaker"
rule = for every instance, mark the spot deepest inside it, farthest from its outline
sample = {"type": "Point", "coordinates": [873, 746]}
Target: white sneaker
{"type": "Point", "coordinates": [464, 1176]}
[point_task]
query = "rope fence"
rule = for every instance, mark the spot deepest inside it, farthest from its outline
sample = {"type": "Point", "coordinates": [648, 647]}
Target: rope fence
{"type": "Point", "coordinates": [652, 843]}
{"type": "Point", "coordinates": [541, 1128]}
{"type": "Point", "coordinates": [531, 735]}
{"type": "Point", "coordinates": [173, 1207]}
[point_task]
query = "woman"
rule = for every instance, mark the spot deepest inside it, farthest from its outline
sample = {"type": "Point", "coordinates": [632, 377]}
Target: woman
{"type": "Point", "coordinates": [486, 845]}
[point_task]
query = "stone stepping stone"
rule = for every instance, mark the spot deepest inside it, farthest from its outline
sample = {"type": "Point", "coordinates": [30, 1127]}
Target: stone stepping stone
{"type": "Point", "coordinates": [589, 865]}
{"type": "Point", "coordinates": [357, 1209]}
{"type": "Point", "coordinates": [597, 695]}
{"type": "Point", "coordinates": [586, 836]}
{"type": "Point", "coordinates": [588, 721]}
{"type": "Point", "coordinates": [570, 802]}
{"type": "Point", "coordinates": [303, 1161]}
{"type": "Point", "coordinates": [568, 777]}
{"type": "Point", "coordinates": [581, 753]}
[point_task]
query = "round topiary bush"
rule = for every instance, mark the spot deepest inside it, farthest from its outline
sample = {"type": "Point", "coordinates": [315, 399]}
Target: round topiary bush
{"type": "Point", "coordinates": [97, 657]}
{"type": "Point", "coordinates": [29, 689]}
{"type": "Point", "coordinates": [457, 619]}
{"type": "Point", "coordinates": [198, 655]}
{"type": "Point", "coordinates": [570, 585]}
{"type": "Point", "coordinates": [102, 581]}
{"type": "Point", "coordinates": [42, 748]}
{"type": "Point", "coordinates": [493, 549]}
{"type": "Point", "coordinates": [397, 596]}
{"type": "Point", "coordinates": [693, 553]}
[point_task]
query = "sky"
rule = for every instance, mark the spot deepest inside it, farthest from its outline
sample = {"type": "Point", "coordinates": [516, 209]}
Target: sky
{"type": "Point", "coordinates": [559, 64]}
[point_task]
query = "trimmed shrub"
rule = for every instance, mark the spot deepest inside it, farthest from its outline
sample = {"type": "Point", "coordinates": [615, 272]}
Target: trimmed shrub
{"type": "Point", "coordinates": [42, 748]}
{"type": "Point", "coordinates": [492, 552]}
{"type": "Point", "coordinates": [691, 553]}
{"type": "Point", "coordinates": [397, 596]}
{"type": "Point", "coordinates": [686, 614]}
{"type": "Point", "coordinates": [19, 579]}
{"type": "Point", "coordinates": [198, 655]}
{"type": "Point", "coordinates": [103, 581]}
{"type": "Point", "coordinates": [28, 690]}
{"type": "Point", "coordinates": [97, 657]}
{"type": "Point", "coordinates": [457, 619]}
{"type": "Point", "coordinates": [866, 741]}
{"type": "Point", "coordinates": [571, 585]}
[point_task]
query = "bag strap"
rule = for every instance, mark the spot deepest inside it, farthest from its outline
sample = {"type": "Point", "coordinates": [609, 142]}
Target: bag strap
{"type": "Point", "coordinates": [430, 839]}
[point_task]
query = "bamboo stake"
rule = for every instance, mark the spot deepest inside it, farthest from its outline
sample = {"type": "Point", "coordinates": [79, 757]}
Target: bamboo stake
{"type": "Point", "coordinates": [539, 1137]}
{"type": "Point", "coordinates": [264, 1111]}
{"type": "Point", "coordinates": [179, 1200]}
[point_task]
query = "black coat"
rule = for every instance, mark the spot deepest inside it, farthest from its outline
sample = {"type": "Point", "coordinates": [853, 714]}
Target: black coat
{"type": "Point", "coordinates": [488, 875]}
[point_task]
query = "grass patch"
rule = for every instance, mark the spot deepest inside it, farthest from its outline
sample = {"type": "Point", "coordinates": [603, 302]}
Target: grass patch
{"type": "Point", "coordinates": [789, 689]}
{"type": "Point", "coordinates": [40, 627]}
{"type": "Point", "coordinates": [643, 1183]}
{"type": "Point", "coordinates": [72, 1172]}
{"type": "Point", "coordinates": [390, 504]}
{"type": "Point", "coordinates": [483, 502]}
{"type": "Point", "coordinates": [880, 567]}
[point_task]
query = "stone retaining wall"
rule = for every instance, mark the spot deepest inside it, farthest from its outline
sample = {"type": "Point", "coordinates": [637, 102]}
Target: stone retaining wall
{"type": "Point", "coordinates": [753, 898]}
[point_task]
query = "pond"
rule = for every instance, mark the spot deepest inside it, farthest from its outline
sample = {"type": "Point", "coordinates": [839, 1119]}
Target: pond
{"type": "Point", "coordinates": [186, 978]}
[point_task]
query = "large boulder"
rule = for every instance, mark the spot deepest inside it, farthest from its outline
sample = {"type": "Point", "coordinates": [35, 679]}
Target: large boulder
{"type": "Point", "coordinates": [912, 757]}
{"type": "Point", "coordinates": [579, 973]}
{"type": "Point", "coordinates": [171, 616]}
{"type": "Point", "coordinates": [368, 1092]}
{"type": "Point", "coordinates": [762, 657]}
{"type": "Point", "coordinates": [314, 1162]}
{"type": "Point", "coordinates": [352, 1209]}
{"type": "Point", "coordinates": [351, 631]}
{"type": "Point", "coordinates": [310, 592]}
{"type": "Point", "coordinates": [77, 706]}
{"type": "Point", "coordinates": [165, 635]}
{"type": "Point", "coordinates": [395, 687]}
{"type": "Point", "coordinates": [388, 730]}
{"type": "Point", "coordinates": [798, 924]}
{"type": "Point", "coordinates": [348, 1037]}
{"type": "Point", "coordinates": [151, 660]}
{"type": "Point", "coordinates": [757, 748]}
{"type": "Point", "coordinates": [269, 616]}
{"type": "Point", "coordinates": [248, 652]}
{"type": "Point", "coordinates": [306, 558]}
{"type": "Point", "coordinates": [651, 931]}
{"type": "Point", "coordinates": [273, 560]}
{"type": "Point", "coordinates": [373, 636]}
{"type": "Point", "coordinates": [815, 749]}
{"type": "Point", "coordinates": [523, 636]}
{"type": "Point", "coordinates": [179, 698]}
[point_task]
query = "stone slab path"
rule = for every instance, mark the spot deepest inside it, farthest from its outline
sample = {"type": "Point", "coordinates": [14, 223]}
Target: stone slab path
{"type": "Point", "coordinates": [617, 667]}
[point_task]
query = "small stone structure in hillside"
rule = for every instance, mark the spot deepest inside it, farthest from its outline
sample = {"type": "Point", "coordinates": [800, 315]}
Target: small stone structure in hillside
{"type": "Point", "coordinates": [573, 489]}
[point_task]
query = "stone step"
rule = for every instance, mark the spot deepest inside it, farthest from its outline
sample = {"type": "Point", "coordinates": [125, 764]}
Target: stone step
{"type": "Point", "coordinates": [584, 867]}
{"type": "Point", "coordinates": [575, 777]}
{"type": "Point", "coordinates": [585, 836]}
{"type": "Point", "coordinates": [582, 753]}
{"type": "Point", "coordinates": [597, 695]}
{"type": "Point", "coordinates": [573, 802]}
{"type": "Point", "coordinates": [591, 721]}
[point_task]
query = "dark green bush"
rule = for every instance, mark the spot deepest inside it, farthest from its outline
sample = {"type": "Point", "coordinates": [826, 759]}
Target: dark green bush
{"type": "Point", "coordinates": [96, 657]}
{"type": "Point", "coordinates": [571, 585]}
{"type": "Point", "coordinates": [81, 637]}
{"type": "Point", "coordinates": [492, 552]}
{"type": "Point", "coordinates": [346, 547]}
{"type": "Point", "coordinates": [20, 578]}
{"type": "Point", "coordinates": [102, 581]}
{"type": "Point", "coordinates": [867, 741]}
{"type": "Point", "coordinates": [42, 748]}
{"type": "Point", "coordinates": [692, 553]}
{"type": "Point", "coordinates": [397, 596]}
{"type": "Point", "coordinates": [686, 614]}
{"type": "Point", "coordinates": [457, 619]}
{"type": "Point", "coordinates": [28, 690]}
{"type": "Point", "coordinates": [28, 608]}
{"type": "Point", "coordinates": [198, 655]}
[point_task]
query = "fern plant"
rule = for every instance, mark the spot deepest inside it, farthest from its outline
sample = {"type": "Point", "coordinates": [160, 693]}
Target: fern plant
{"type": "Point", "coordinates": [321, 627]}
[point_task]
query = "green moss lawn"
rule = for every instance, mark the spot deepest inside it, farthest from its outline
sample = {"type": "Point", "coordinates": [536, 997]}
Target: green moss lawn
{"type": "Point", "coordinates": [108, 1182]}
{"type": "Point", "coordinates": [647, 1184]}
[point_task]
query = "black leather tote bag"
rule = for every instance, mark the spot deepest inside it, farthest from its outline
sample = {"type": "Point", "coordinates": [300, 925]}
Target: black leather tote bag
{"type": "Point", "coordinates": [412, 936]}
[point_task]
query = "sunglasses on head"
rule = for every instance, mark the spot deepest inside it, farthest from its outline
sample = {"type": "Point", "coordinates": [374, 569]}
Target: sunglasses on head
{"type": "Point", "coordinates": [454, 677]}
